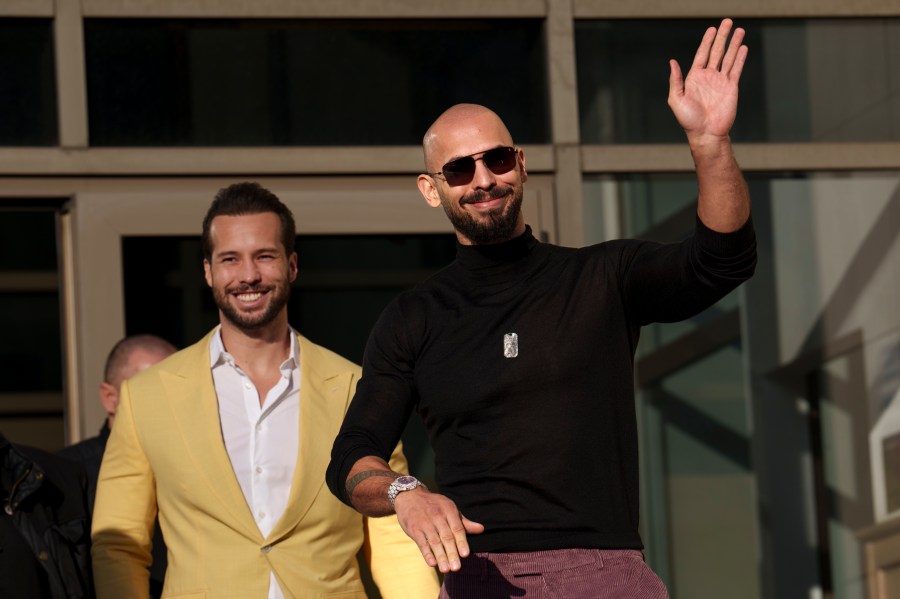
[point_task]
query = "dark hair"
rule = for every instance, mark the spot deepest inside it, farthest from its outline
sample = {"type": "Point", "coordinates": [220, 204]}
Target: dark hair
{"type": "Point", "coordinates": [248, 198]}
{"type": "Point", "coordinates": [122, 350]}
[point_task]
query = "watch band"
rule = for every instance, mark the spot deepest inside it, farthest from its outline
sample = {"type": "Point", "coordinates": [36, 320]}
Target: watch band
{"type": "Point", "coordinates": [400, 484]}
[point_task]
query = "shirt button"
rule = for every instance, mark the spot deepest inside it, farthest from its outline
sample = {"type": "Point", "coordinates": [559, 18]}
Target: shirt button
{"type": "Point", "coordinates": [262, 515]}
{"type": "Point", "coordinates": [43, 556]}
{"type": "Point", "coordinates": [258, 427]}
{"type": "Point", "coordinates": [266, 549]}
{"type": "Point", "coordinates": [247, 385]}
{"type": "Point", "coordinates": [259, 469]}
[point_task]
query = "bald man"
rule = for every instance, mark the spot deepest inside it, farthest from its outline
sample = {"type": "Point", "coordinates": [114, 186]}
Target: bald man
{"type": "Point", "coordinates": [128, 357]}
{"type": "Point", "coordinates": [519, 358]}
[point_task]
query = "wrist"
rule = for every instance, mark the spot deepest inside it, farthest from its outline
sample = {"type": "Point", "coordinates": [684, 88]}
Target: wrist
{"type": "Point", "coordinates": [401, 485]}
{"type": "Point", "coordinates": [709, 146]}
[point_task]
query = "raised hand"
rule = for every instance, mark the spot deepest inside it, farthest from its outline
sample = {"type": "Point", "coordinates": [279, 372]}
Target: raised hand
{"type": "Point", "coordinates": [705, 102]}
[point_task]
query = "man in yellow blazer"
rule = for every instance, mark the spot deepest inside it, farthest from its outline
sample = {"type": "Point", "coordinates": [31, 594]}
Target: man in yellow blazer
{"type": "Point", "coordinates": [229, 440]}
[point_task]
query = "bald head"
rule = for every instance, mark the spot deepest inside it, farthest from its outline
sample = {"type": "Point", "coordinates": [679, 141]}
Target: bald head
{"type": "Point", "coordinates": [459, 129]}
{"type": "Point", "coordinates": [128, 357]}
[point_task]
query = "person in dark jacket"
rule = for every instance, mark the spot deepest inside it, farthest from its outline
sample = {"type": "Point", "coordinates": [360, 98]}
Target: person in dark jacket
{"type": "Point", "coordinates": [127, 357]}
{"type": "Point", "coordinates": [45, 527]}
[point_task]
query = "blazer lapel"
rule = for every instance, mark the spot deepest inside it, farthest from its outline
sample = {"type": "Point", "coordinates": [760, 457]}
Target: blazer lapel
{"type": "Point", "coordinates": [325, 392]}
{"type": "Point", "coordinates": [196, 409]}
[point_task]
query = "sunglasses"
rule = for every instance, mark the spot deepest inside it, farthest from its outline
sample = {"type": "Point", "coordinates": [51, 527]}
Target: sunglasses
{"type": "Point", "coordinates": [462, 170]}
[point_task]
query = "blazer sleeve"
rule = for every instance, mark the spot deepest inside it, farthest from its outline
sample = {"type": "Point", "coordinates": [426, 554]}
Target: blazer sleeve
{"type": "Point", "coordinates": [395, 561]}
{"type": "Point", "coordinates": [124, 511]}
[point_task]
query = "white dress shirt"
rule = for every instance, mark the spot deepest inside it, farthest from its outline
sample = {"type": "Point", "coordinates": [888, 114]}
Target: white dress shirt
{"type": "Point", "coordinates": [261, 440]}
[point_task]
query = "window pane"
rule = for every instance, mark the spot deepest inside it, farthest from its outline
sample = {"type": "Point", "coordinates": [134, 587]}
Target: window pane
{"type": "Point", "coordinates": [158, 82]}
{"type": "Point", "coordinates": [805, 79]}
{"type": "Point", "coordinates": [701, 480]}
{"type": "Point", "coordinates": [31, 396]}
{"type": "Point", "coordinates": [28, 98]}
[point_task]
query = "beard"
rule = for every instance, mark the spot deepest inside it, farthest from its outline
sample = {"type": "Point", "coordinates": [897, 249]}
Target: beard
{"type": "Point", "coordinates": [257, 320]}
{"type": "Point", "coordinates": [495, 226]}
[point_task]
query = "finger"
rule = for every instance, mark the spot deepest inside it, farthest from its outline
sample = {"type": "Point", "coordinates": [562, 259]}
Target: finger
{"type": "Point", "coordinates": [718, 47]}
{"type": "Point", "coordinates": [702, 55]}
{"type": "Point", "coordinates": [472, 527]}
{"type": "Point", "coordinates": [733, 48]}
{"type": "Point", "coordinates": [738, 67]}
{"type": "Point", "coordinates": [439, 550]}
{"type": "Point", "coordinates": [676, 81]}
{"type": "Point", "coordinates": [425, 548]}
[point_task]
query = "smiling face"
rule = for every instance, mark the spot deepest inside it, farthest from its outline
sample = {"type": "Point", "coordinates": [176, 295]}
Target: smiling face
{"type": "Point", "coordinates": [486, 209]}
{"type": "Point", "coordinates": [249, 271]}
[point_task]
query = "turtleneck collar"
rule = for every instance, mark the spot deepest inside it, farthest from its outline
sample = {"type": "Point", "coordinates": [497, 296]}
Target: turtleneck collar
{"type": "Point", "coordinates": [475, 258]}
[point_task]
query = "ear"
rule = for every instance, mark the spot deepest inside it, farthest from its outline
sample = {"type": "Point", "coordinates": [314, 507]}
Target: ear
{"type": "Point", "coordinates": [207, 272]}
{"type": "Point", "coordinates": [429, 190]}
{"type": "Point", "coordinates": [109, 397]}
{"type": "Point", "coordinates": [522, 164]}
{"type": "Point", "coordinates": [292, 266]}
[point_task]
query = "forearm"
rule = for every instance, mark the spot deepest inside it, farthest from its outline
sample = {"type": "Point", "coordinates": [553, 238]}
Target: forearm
{"type": "Point", "coordinates": [723, 200]}
{"type": "Point", "coordinates": [367, 486]}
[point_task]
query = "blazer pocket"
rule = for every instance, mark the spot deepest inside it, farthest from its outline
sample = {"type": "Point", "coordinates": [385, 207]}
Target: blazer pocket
{"type": "Point", "coordinates": [188, 595]}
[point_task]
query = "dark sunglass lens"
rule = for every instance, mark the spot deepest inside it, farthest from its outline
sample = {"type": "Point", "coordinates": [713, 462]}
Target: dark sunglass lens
{"type": "Point", "coordinates": [459, 171]}
{"type": "Point", "coordinates": [500, 160]}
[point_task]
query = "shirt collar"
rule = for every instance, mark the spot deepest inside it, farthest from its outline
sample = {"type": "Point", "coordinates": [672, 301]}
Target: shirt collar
{"type": "Point", "coordinates": [218, 355]}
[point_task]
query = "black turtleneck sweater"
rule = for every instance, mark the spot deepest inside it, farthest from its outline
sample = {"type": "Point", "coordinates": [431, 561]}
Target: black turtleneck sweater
{"type": "Point", "coordinates": [542, 447]}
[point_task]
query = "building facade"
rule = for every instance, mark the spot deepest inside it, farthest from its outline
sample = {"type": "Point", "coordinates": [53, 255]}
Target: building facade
{"type": "Point", "coordinates": [769, 423]}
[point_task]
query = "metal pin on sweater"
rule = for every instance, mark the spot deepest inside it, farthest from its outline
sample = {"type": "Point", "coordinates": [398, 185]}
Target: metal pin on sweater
{"type": "Point", "coordinates": [510, 345]}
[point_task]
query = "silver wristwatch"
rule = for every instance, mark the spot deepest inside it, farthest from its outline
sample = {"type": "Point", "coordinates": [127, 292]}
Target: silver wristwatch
{"type": "Point", "coordinates": [400, 484]}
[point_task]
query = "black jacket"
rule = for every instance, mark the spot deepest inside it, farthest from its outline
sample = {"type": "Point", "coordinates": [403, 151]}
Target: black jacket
{"type": "Point", "coordinates": [45, 510]}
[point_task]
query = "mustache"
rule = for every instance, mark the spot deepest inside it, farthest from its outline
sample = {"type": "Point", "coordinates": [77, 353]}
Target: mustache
{"type": "Point", "coordinates": [482, 195]}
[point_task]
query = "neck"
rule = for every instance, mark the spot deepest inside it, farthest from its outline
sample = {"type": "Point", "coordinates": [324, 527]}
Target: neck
{"type": "Point", "coordinates": [268, 344]}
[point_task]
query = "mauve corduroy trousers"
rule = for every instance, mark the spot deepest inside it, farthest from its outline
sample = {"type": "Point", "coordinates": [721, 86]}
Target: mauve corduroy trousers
{"type": "Point", "coordinates": [557, 574]}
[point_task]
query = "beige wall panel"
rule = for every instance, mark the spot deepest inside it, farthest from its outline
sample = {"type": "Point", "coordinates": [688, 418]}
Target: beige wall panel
{"type": "Point", "coordinates": [569, 196]}
{"type": "Point", "coordinates": [26, 8]}
{"type": "Point", "coordinates": [751, 157]}
{"type": "Point", "coordinates": [314, 8]}
{"type": "Point", "coordinates": [658, 9]}
{"type": "Point", "coordinates": [70, 76]}
{"type": "Point", "coordinates": [230, 161]}
{"type": "Point", "coordinates": [561, 72]}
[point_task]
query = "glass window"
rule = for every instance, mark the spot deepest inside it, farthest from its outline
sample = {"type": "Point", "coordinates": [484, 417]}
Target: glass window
{"type": "Point", "coordinates": [659, 208]}
{"type": "Point", "coordinates": [700, 483]}
{"type": "Point", "coordinates": [28, 84]}
{"type": "Point", "coordinates": [158, 82]}
{"type": "Point", "coordinates": [805, 80]}
{"type": "Point", "coordinates": [31, 399]}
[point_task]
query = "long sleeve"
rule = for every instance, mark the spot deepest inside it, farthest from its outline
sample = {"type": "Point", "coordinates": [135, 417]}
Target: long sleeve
{"type": "Point", "coordinates": [124, 512]}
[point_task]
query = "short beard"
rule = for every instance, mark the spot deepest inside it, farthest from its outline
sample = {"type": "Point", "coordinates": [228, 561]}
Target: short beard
{"type": "Point", "coordinates": [499, 226]}
{"type": "Point", "coordinates": [253, 322]}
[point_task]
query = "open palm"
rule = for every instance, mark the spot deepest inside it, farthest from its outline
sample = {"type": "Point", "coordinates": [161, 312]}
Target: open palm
{"type": "Point", "coordinates": [705, 102]}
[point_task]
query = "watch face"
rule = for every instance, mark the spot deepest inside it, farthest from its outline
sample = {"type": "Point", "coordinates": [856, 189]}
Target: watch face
{"type": "Point", "coordinates": [406, 480]}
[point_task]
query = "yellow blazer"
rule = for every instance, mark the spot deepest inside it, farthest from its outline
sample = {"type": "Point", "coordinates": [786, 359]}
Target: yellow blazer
{"type": "Point", "coordinates": [166, 451]}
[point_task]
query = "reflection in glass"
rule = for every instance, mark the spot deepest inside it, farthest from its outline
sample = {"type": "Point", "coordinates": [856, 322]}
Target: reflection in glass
{"type": "Point", "coordinates": [700, 481]}
{"type": "Point", "coordinates": [805, 79]}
